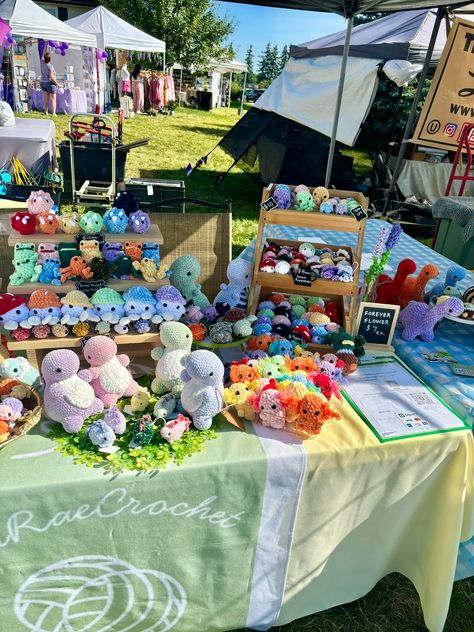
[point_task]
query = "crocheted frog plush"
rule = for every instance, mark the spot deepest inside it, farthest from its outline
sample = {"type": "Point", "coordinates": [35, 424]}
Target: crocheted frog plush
{"type": "Point", "coordinates": [108, 305]}
{"type": "Point", "coordinates": [177, 339]}
{"type": "Point", "coordinates": [115, 221]}
{"type": "Point", "coordinates": [25, 263]}
{"type": "Point", "coordinates": [139, 303]}
{"type": "Point", "coordinates": [90, 248]}
{"type": "Point", "coordinates": [185, 272]}
{"type": "Point", "coordinates": [203, 393]}
{"type": "Point", "coordinates": [20, 369]}
{"type": "Point", "coordinates": [68, 396]}
{"type": "Point", "coordinates": [170, 304]}
{"type": "Point", "coordinates": [47, 251]}
{"type": "Point", "coordinates": [91, 222]}
{"type": "Point", "coordinates": [122, 268]}
{"type": "Point", "coordinates": [111, 379]}
{"type": "Point", "coordinates": [50, 272]}
{"type": "Point", "coordinates": [112, 251]}
{"type": "Point", "coordinates": [235, 293]}
{"type": "Point", "coordinates": [14, 312]}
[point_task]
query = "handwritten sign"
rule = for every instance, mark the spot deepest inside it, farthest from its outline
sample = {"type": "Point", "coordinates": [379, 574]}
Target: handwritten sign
{"type": "Point", "coordinates": [376, 322]}
{"type": "Point", "coordinates": [269, 204]}
{"type": "Point", "coordinates": [303, 276]}
{"type": "Point", "coordinates": [358, 212]}
{"type": "Point", "coordinates": [89, 287]}
{"type": "Point", "coordinates": [448, 107]}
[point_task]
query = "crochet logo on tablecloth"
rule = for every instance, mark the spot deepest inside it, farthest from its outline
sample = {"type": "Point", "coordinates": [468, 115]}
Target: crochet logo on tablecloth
{"type": "Point", "coordinates": [99, 593]}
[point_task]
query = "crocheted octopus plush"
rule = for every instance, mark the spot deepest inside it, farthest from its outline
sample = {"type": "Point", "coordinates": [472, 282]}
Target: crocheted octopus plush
{"type": "Point", "coordinates": [68, 397]}
{"type": "Point", "coordinates": [177, 339]}
{"type": "Point", "coordinates": [111, 379]}
{"type": "Point", "coordinates": [203, 393]}
{"type": "Point", "coordinates": [170, 304]}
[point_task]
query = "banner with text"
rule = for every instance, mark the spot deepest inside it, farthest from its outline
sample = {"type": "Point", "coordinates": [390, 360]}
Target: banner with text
{"type": "Point", "coordinates": [449, 106]}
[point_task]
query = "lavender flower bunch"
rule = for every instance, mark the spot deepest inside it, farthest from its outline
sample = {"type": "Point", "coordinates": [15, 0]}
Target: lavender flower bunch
{"type": "Point", "coordinates": [387, 241]}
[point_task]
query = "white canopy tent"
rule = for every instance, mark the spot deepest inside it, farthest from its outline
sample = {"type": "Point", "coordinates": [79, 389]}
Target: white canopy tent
{"type": "Point", "coordinates": [113, 32]}
{"type": "Point", "coordinates": [306, 90]}
{"type": "Point", "coordinates": [27, 19]}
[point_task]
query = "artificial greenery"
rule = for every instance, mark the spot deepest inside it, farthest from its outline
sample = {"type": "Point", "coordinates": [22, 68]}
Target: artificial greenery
{"type": "Point", "coordinates": [155, 456]}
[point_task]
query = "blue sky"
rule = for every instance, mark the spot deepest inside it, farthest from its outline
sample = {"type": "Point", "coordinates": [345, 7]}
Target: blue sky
{"type": "Point", "coordinates": [259, 25]}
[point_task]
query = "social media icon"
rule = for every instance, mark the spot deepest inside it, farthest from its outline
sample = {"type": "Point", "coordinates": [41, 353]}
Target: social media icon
{"type": "Point", "coordinates": [471, 133]}
{"type": "Point", "coordinates": [450, 129]}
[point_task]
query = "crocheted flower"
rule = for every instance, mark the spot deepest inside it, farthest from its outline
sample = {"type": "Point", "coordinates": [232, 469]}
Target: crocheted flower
{"type": "Point", "coordinates": [59, 331]}
{"type": "Point", "coordinates": [20, 334]}
{"type": "Point", "coordinates": [102, 328]}
{"type": "Point", "coordinates": [81, 329]}
{"type": "Point", "coordinates": [394, 237]}
{"type": "Point", "coordinates": [41, 331]}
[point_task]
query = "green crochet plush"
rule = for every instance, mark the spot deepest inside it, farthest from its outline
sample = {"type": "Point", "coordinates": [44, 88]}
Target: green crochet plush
{"type": "Point", "coordinates": [25, 263]}
{"type": "Point", "coordinates": [177, 340]}
{"type": "Point", "coordinates": [185, 273]}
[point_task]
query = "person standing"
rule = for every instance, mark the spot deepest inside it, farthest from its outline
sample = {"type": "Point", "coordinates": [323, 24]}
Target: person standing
{"type": "Point", "coordinates": [49, 85]}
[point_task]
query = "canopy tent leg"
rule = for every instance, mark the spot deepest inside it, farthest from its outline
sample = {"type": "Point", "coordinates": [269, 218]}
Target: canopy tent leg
{"type": "Point", "coordinates": [416, 99]}
{"type": "Point", "coordinates": [164, 60]}
{"type": "Point", "coordinates": [241, 109]}
{"type": "Point", "coordinates": [230, 89]}
{"type": "Point", "coordinates": [180, 84]}
{"type": "Point", "coordinates": [337, 109]}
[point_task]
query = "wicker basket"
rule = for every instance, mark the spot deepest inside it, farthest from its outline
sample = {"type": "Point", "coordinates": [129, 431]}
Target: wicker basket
{"type": "Point", "coordinates": [31, 401]}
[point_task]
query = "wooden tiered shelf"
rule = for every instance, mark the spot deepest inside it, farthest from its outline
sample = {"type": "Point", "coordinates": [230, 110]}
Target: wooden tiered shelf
{"type": "Point", "coordinates": [152, 235]}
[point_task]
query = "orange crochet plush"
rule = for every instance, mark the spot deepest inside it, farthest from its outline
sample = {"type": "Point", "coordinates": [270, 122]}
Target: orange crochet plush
{"type": "Point", "coordinates": [199, 331]}
{"type": "Point", "coordinates": [302, 363]}
{"type": "Point", "coordinates": [242, 372]}
{"type": "Point", "coordinates": [414, 287]}
{"type": "Point", "coordinates": [77, 267]}
{"type": "Point", "coordinates": [313, 412]}
{"type": "Point", "coordinates": [260, 342]}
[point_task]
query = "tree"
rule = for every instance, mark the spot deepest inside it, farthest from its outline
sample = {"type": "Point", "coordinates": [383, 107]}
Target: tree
{"type": "Point", "coordinates": [193, 31]}
{"type": "Point", "coordinates": [275, 62]}
{"type": "Point", "coordinates": [284, 57]}
{"type": "Point", "coordinates": [265, 64]}
{"type": "Point", "coordinates": [364, 18]}
{"type": "Point", "coordinates": [231, 51]}
{"type": "Point", "coordinates": [249, 60]}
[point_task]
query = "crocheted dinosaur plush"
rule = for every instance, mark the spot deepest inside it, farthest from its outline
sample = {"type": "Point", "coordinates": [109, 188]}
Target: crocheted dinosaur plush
{"type": "Point", "coordinates": [414, 287]}
{"type": "Point", "coordinates": [453, 275]}
{"type": "Point", "coordinates": [419, 319]}
{"type": "Point", "coordinates": [388, 289]}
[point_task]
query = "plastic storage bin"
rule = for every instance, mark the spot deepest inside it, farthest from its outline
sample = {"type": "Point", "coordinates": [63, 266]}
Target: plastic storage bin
{"type": "Point", "coordinates": [451, 244]}
{"type": "Point", "coordinates": [151, 192]}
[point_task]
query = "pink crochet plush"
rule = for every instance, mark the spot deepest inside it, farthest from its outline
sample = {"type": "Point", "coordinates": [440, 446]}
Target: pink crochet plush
{"type": "Point", "coordinates": [111, 380]}
{"type": "Point", "coordinates": [68, 396]}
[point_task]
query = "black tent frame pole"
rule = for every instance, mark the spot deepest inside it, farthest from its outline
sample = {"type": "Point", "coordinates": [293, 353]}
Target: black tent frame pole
{"type": "Point", "coordinates": [414, 106]}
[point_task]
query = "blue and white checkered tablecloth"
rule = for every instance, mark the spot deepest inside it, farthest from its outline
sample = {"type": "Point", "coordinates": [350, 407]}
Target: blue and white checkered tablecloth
{"type": "Point", "coordinates": [457, 339]}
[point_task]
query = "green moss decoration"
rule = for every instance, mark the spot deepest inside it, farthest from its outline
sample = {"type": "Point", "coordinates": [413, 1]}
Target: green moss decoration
{"type": "Point", "coordinates": [155, 456]}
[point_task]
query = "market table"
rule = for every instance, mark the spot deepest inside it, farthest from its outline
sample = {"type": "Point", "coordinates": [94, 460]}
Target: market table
{"type": "Point", "coordinates": [29, 140]}
{"type": "Point", "coordinates": [67, 101]}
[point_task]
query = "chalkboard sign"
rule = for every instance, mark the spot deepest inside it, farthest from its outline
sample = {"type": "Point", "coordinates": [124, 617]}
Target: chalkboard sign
{"type": "Point", "coordinates": [89, 287]}
{"type": "Point", "coordinates": [99, 237]}
{"type": "Point", "coordinates": [358, 212]}
{"type": "Point", "coordinates": [376, 322]}
{"type": "Point", "coordinates": [269, 204]}
{"type": "Point", "coordinates": [303, 275]}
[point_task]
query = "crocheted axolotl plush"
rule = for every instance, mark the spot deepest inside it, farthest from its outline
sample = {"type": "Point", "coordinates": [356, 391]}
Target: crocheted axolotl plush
{"type": "Point", "coordinates": [234, 294]}
{"type": "Point", "coordinates": [314, 411]}
{"type": "Point", "coordinates": [111, 379]}
{"type": "Point", "coordinates": [177, 339]}
{"type": "Point", "coordinates": [419, 319]}
{"type": "Point", "coordinates": [20, 369]}
{"type": "Point", "coordinates": [185, 272]}
{"type": "Point", "coordinates": [25, 263]}
{"type": "Point", "coordinates": [203, 393]}
{"type": "Point", "coordinates": [77, 268]}
{"type": "Point", "coordinates": [68, 396]}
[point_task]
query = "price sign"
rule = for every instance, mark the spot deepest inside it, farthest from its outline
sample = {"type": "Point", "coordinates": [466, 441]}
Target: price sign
{"type": "Point", "coordinates": [89, 287]}
{"type": "Point", "coordinates": [99, 237]}
{"type": "Point", "coordinates": [376, 322]}
{"type": "Point", "coordinates": [358, 212]}
{"type": "Point", "coordinates": [303, 276]}
{"type": "Point", "coordinates": [269, 204]}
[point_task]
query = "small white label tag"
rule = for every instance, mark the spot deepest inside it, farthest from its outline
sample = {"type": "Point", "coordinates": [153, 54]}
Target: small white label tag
{"type": "Point", "coordinates": [149, 189]}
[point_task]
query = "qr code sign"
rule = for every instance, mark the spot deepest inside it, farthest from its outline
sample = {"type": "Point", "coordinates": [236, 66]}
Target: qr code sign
{"type": "Point", "coordinates": [421, 398]}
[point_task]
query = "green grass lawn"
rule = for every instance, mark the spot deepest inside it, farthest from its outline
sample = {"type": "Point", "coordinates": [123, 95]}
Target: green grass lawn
{"type": "Point", "coordinates": [393, 605]}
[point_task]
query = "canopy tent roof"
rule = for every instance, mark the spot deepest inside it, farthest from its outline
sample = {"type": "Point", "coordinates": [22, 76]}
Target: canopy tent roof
{"type": "Point", "coordinates": [27, 19]}
{"type": "Point", "coordinates": [228, 66]}
{"type": "Point", "coordinates": [349, 8]}
{"type": "Point", "coordinates": [404, 35]}
{"type": "Point", "coordinates": [113, 32]}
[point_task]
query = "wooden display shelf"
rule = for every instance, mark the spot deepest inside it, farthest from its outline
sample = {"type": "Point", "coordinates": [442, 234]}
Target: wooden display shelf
{"type": "Point", "coordinates": [284, 283]}
{"type": "Point", "coordinates": [153, 235]}
{"type": "Point", "coordinates": [121, 285]}
{"type": "Point", "coordinates": [134, 344]}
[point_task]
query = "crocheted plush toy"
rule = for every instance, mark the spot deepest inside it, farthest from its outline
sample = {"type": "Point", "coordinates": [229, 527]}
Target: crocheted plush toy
{"type": "Point", "coordinates": [238, 395]}
{"type": "Point", "coordinates": [108, 305]}
{"type": "Point", "coordinates": [112, 251]}
{"type": "Point", "coordinates": [69, 223]}
{"type": "Point", "coordinates": [20, 369]}
{"type": "Point", "coordinates": [149, 270]}
{"type": "Point", "coordinates": [243, 372]}
{"type": "Point", "coordinates": [414, 287]}
{"type": "Point", "coordinates": [327, 385]}
{"type": "Point", "coordinates": [320, 195]}
{"type": "Point", "coordinates": [50, 272]}
{"type": "Point", "coordinates": [235, 293]}
{"type": "Point", "coordinates": [102, 436]}
{"type": "Point", "coordinates": [47, 222]}
{"type": "Point", "coordinates": [170, 304]}
{"type": "Point", "coordinates": [122, 268]}
{"type": "Point", "coordinates": [23, 222]}
{"type": "Point", "coordinates": [111, 380]}
{"type": "Point", "coordinates": [39, 201]}
{"type": "Point", "coordinates": [313, 412]}
{"type": "Point", "coordinates": [90, 249]}
{"type": "Point", "coordinates": [25, 263]}
{"type": "Point", "coordinates": [174, 429]}
{"type": "Point", "coordinates": [115, 221]}
{"type": "Point", "coordinates": [304, 201]}
{"type": "Point", "coordinates": [139, 222]}
{"type": "Point", "coordinates": [76, 307]}
{"type": "Point", "coordinates": [14, 312]}
{"type": "Point", "coordinates": [347, 348]}
{"type": "Point", "coordinates": [269, 405]}
{"type": "Point", "coordinates": [388, 289]}
{"type": "Point", "coordinates": [45, 308]}
{"type": "Point", "coordinates": [115, 419]}
{"type": "Point", "coordinates": [177, 340]}
{"type": "Point", "coordinates": [127, 201]}
{"type": "Point", "coordinates": [419, 319]}
{"type": "Point", "coordinates": [151, 250]}
{"type": "Point", "coordinates": [91, 222]}
{"type": "Point", "coordinates": [68, 396]}
{"type": "Point", "coordinates": [139, 303]}
{"type": "Point", "coordinates": [77, 268]}
{"type": "Point", "coordinates": [203, 393]}
{"type": "Point", "coordinates": [282, 195]}
{"type": "Point", "coordinates": [11, 410]}
{"type": "Point", "coordinates": [133, 249]}
{"type": "Point", "coordinates": [454, 274]}
{"type": "Point", "coordinates": [185, 272]}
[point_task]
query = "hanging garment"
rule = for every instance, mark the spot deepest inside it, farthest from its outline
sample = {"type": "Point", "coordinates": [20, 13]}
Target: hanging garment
{"type": "Point", "coordinates": [146, 90]}
{"type": "Point", "coordinates": [125, 77]}
{"type": "Point", "coordinates": [113, 84]}
{"type": "Point", "coordinates": [171, 89]}
{"type": "Point", "coordinates": [138, 94]}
